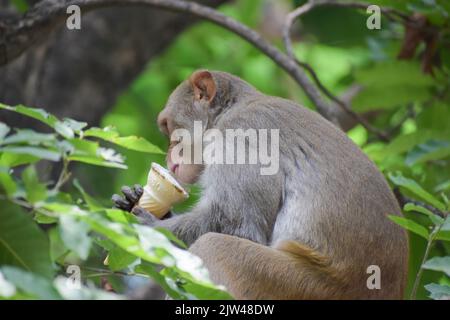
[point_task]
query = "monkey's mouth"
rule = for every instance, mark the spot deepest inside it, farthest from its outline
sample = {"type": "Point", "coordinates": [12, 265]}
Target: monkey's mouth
{"type": "Point", "coordinates": [174, 167]}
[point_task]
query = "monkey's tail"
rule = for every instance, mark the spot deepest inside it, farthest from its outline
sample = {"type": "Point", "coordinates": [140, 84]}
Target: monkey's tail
{"type": "Point", "coordinates": [253, 271]}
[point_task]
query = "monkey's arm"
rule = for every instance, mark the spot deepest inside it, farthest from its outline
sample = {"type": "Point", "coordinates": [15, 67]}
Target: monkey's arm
{"type": "Point", "coordinates": [236, 200]}
{"type": "Point", "coordinates": [188, 226]}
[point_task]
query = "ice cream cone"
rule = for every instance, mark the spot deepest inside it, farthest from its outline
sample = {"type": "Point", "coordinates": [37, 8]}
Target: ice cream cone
{"type": "Point", "coordinates": [161, 192]}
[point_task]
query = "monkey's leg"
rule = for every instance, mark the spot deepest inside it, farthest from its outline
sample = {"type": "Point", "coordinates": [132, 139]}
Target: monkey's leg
{"type": "Point", "coordinates": [253, 271]}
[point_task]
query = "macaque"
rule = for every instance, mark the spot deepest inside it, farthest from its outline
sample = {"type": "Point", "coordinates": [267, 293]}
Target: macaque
{"type": "Point", "coordinates": [312, 230]}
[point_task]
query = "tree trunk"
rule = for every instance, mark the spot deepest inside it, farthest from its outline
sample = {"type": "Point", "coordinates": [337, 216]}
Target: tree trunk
{"type": "Point", "coordinates": [80, 73]}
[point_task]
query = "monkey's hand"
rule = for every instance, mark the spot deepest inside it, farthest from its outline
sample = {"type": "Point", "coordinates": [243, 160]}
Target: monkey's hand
{"type": "Point", "coordinates": [130, 199]}
{"type": "Point", "coordinates": [129, 202]}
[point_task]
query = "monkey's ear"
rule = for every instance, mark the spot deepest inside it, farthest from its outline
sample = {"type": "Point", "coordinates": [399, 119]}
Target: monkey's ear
{"type": "Point", "coordinates": [203, 85]}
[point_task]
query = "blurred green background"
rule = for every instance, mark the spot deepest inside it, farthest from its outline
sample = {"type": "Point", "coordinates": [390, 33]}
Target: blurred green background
{"type": "Point", "coordinates": [341, 52]}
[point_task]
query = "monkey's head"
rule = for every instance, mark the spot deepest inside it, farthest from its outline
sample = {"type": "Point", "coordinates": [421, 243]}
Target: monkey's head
{"type": "Point", "coordinates": [200, 98]}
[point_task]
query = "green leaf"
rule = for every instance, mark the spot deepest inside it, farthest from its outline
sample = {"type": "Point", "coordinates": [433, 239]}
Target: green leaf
{"type": "Point", "coordinates": [30, 137]}
{"type": "Point", "coordinates": [142, 242]}
{"type": "Point", "coordinates": [22, 243]}
{"type": "Point", "coordinates": [76, 126]}
{"type": "Point", "coordinates": [107, 134]}
{"type": "Point", "coordinates": [137, 144]}
{"type": "Point", "coordinates": [390, 84]}
{"type": "Point", "coordinates": [120, 259]}
{"type": "Point", "coordinates": [74, 233]}
{"type": "Point", "coordinates": [62, 128]}
{"type": "Point", "coordinates": [410, 225]}
{"type": "Point", "coordinates": [110, 155]}
{"type": "Point", "coordinates": [203, 292]}
{"type": "Point", "coordinates": [35, 191]}
{"type": "Point", "coordinates": [7, 289]}
{"type": "Point", "coordinates": [434, 218]}
{"type": "Point", "coordinates": [413, 207]}
{"type": "Point", "coordinates": [446, 224]}
{"type": "Point", "coordinates": [38, 152]}
{"type": "Point", "coordinates": [84, 147]}
{"type": "Point", "coordinates": [104, 243]}
{"type": "Point", "coordinates": [84, 292]}
{"type": "Point", "coordinates": [443, 235]}
{"type": "Point", "coordinates": [444, 186]}
{"type": "Point", "coordinates": [434, 118]}
{"type": "Point", "coordinates": [110, 134]}
{"type": "Point", "coordinates": [172, 237]}
{"type": "Point", "coordinates": [384, 97]}
{"type": "Point", "coordinates": [58, 251]}
{"type": "Point", "coordinates": [97, 162]}
{"type": "Point", "coordinates": [4, 129]}
{"type": "Point", "coordinates": [38, 114]}
{"type": "Point", "coordinates": [121, 216]}
{"type": "Point", "coordinates": [431, 150]}
{"type": "Point", "coordinates": [149, 269]}
{"type": "Point", "coordinates": [438, 292]}
{"type": "Point", "coordinates": [92, 204]}
{"type": "Point", "coordinates": [11, 160]}
{"type": "Point", "coordinates": [90, 152]}
{"type": "Point", "coordinates": [188, 264]}
{"type": "Point", "coordinates": [444, 232]}
{"type": "Point", "coordinates": [21, 5]}
{"type": "Point", "coordinates": [415, 188]}
{"type": "Point", "coordinates": [31, 283]}
{"type": "Point", "coordinates": [405, 142]}
{"type": "Point", "coordinates": [392, 73]}
{"type": "Point", "coordinates": [441, 264]}
{"type": "Point", "coordinates": [42, 218]}
{"type": "Point", "coordinates": [192, 289]}
{"type": "Point", "coordinates": [7, 182]}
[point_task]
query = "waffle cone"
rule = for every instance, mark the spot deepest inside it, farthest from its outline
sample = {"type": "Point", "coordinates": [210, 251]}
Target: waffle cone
{"type": "Point", "coordinates": [161, 192]}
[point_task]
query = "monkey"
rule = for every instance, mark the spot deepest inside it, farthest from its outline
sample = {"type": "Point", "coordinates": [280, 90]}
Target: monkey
{"type": "Point", "coordinates": [312, 230]}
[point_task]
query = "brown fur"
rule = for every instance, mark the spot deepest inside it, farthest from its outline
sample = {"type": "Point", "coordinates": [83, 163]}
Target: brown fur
{"type": "Point", "coordinates": [311, 230]}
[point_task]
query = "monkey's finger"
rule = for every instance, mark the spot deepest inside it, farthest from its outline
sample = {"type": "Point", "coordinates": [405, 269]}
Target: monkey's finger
{"type": "Point", "coordinates": [138, 190]}
{"type": "Point", "coordinates": [143, 216]}
{"type": "Point", "coordinates": [120, 202]}
{"type": "Point", "coordinates": [130, 194]}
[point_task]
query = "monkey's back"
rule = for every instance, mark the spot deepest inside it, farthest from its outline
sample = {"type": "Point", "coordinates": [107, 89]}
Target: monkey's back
{"type": "Point", "coordinates": [333, 198]}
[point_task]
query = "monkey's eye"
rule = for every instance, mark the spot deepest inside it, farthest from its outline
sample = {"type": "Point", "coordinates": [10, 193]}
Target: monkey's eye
{"type": "Point", "coordinates": [174, 142]}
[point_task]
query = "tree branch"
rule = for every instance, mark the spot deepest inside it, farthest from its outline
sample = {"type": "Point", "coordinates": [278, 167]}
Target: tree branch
{"type": "Point", "coordinates": [402, 200]}
{"type": "Point", "coordinates": [35, 25]}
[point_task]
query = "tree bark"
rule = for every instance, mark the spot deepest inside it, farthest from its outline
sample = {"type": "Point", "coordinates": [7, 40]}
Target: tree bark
{"type": "Point", "coordinates": [80, 73]}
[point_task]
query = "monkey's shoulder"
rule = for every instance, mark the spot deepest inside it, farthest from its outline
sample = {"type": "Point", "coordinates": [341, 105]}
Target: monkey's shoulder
{"type": "Point", "coordinates": [263, 111]}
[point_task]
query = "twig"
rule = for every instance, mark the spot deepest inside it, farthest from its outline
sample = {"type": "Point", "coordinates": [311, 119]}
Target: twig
{"type": "Point", "coordinates": [28, 206]}
{"type": "Point", "coordinates": [48, 14]}
{"type": "Point", "coordinates": [409, 114]}
{"type": "Point", "coordinates": [402, 200]}
{"type": "Point", "coordinates": [63, 176]}
{"type": "Point", "coordinates": [106, 272]}
{"type": "Point", "coordinates": [357, 117]}
{"type": "Point", "coordinates": [431, 238]}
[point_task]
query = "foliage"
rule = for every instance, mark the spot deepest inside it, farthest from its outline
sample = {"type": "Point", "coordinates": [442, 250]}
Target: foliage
{"type": "Point", "coordinates": [33, 262]}
{"type": "Point", "coordinates": [413, 107]}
